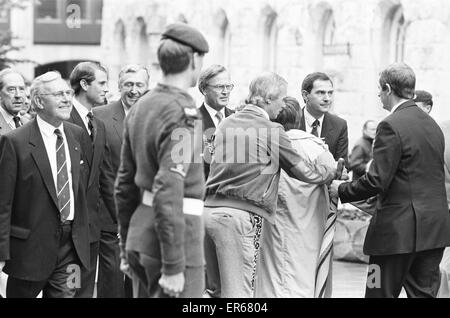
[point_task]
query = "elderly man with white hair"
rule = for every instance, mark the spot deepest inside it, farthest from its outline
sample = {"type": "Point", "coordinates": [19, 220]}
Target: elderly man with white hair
{"type": "Point", "coordinates": [242, 187]}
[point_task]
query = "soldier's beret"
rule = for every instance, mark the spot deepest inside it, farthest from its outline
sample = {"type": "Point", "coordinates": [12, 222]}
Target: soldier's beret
{"type": "Point", "coordinates": [187, 35]}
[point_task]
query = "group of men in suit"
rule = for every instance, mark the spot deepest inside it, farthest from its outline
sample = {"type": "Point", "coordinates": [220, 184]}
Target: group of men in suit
{"type": "Point", "coordinates": [83, 185]}
{"type": "Point", "coordinates": [92, 160]}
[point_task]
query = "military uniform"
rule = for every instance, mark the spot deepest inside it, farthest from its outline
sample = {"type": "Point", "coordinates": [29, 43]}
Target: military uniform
{"type": "Point", "coordinates": [160, 188]}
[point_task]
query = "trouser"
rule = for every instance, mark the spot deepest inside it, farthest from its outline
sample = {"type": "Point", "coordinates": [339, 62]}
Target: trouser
{"type": "Point", "coordinates": [146, 272]}
{"type": "Point", "coordinates": [86, 289]}
{"type": "Point", "coordinates": [231, 246]}
{"type": "Point", "coordinates": [110, 280]}
{"type": "Point", "coordinates": [62, 281]}
{"type": "Point", "coordinates": [417, 272]}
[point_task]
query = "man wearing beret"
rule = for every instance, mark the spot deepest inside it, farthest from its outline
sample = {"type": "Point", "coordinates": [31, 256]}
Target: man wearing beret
{"type": "Point", "coordinates": [160, 184]}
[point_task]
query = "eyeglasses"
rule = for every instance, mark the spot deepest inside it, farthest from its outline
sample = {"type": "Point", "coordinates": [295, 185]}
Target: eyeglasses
{"type": "Point", "coordinates": [61, 94]}
{"type": "Point", "coordinates": [221, 88]}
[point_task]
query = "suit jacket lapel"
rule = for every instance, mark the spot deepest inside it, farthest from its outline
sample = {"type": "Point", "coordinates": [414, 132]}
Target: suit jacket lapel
{"type": "Point", "coordinates": [39, 154]}
{"type": "Point", "coordinates": [207, 120]}
{"type": "Point", "coordinates": [74, 150]}
{"type": "Point", "coordinates": [75, 118]}
{"type": "Point", "coordinates": [118, 117]}
{"type": "Point", "coordinates": [327, 130]}
{"type": "Point", "coordinates": [228, 112]}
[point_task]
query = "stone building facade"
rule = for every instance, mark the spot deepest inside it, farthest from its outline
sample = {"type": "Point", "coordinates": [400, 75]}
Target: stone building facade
{"type": "Point", "coordinates": [352, 40]}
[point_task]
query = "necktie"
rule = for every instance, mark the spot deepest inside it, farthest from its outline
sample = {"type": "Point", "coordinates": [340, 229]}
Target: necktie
{"type": "Point", "coordinates": [219, 117]}
{"type": "Point", "coordinates": [90, 117]}
{"type": "Point", "coordinates": [315, 124]}
{"type": "Point", "coordinates": [325, 254]}
{"type": "Point", "coordinates": [63, 187]}
{"type": "Point", "coordinates": [17, 121]}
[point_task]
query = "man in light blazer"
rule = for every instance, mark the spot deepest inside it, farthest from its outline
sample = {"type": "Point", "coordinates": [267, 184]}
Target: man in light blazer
{"type": "Point", "coordinates": [43, 214]}
{"type": "Point", "coordinates": [133, 84]}
{"type": "Point", "coordinates": [410, 229]}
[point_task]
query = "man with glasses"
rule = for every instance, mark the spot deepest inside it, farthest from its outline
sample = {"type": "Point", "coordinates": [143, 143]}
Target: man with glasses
{"type": "Point", "coordinates": [133, 84]}
{"type": "Point", "coordinates": [215, 85]}
{"type": "Point", "coordinates": [43, 213]}
{"type": "Point", "coordinates": [89, 81]}
{"type": "Point", "coordinates": [12, 100]}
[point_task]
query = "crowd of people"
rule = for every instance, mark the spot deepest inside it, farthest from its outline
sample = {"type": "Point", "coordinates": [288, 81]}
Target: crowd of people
{"type": "Point", "coordinates": [152, 196]}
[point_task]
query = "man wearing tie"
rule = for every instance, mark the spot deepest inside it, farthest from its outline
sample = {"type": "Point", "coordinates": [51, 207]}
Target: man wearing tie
{"type": "Point", "coordinates": [89, 81]}
{"type": "Point", "coordinates": [317, 92]}
{"type": "Point", "coordinates": [215, 85]}
{"type": "Point", "coordinates": [411, 225]}
{"type": "Point", "coordinates": [43, 213]}
{"type": "Point", "coordinates": [12, 99]}
{"type": "Point", "coordinates": [133, 84]}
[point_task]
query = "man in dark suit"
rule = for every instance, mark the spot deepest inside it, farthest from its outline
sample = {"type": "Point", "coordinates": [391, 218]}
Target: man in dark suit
{"type": "Point", "coordinates": [215, 85]}
{"type": "Point", "coordinates": [89, 81]}
{"type": "Point", "coordinates": [317, 92]}
{"type": "Point", "coordinates": [133, 83]}
{"type": "Point", "coordinates": [407, 235]}
{"type": "Point", "coordinates": [362, 150]}
{"type": "Point", "coordinates": [12, 100]}
{"type": "Point", "coordinates": [43, 213]}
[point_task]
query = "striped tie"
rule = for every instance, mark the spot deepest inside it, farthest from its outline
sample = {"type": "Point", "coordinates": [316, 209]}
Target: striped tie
{"type": "Point", "coordinates": [219, 117]}
{"type": "Point", "coordinates": [326, 251]}
{"type": "Point", "coordinates": [63, 189]}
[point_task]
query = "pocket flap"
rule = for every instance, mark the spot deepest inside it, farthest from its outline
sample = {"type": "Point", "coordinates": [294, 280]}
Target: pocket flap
{"type": "Point", "coordinates": [19, 232]}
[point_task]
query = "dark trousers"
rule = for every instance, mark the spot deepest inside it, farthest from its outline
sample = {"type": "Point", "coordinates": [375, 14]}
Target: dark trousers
{"type": "Point", "coordinates": [146, 273]}
{"type": "Point", "coordinates": [110, 281]}
{"type": "Point", "coordinates": [86, 289]}
{"type": "Point", "coordinates": [62, 281]}
{"type": "Point", "coordinates": [417, 272]}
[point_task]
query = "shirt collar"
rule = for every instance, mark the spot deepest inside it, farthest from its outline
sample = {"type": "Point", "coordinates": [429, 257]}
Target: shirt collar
{"type": "Point", "coordinates": [397, 106]}
{"type": "Point", "coordinates": [46, 129]}
{"type": "Point", "coordinates": [125, 108]}
{"type": "Point", "coordinates": [83, 111]}
{"type": "Point", "coordinates": [310, 119]}
{"type": "Point", "coordinates": [7, 116]}
{"type": "Point", "coordinates": [212, 112]}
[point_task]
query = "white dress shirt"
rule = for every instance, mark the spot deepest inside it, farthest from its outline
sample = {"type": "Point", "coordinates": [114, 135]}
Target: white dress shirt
{"type": "Point", "coordinates": [125, 108]}
{"type": "Point", "coordinates": [309, 121]}
{"type": "Point", "coordinates": [8, 118]}
{"type": "Point", "coordinates": [212, 113]}
{"type": "Point", "coordinates": [83, 112]}
{"type": "Point", "coordinates": [49, 137]}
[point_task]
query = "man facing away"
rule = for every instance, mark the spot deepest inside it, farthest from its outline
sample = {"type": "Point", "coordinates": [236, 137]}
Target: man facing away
{"type": "Point", "coordinates": [43, 214]}
{"type": "Point", "coordinates": [89, 81]}
{"type": "Point", "coordinates": [160, 184]}
{"type": "Point", "coordinates": [215, 85]}
{"type": "Point", "coordinates": [242, 186]}
{"type": "Point", "coordinates": [133, 84]}
{"type": "Point", "coordinates": [318, 94]}
{"type": "Point", "coordinates": [410, 229]}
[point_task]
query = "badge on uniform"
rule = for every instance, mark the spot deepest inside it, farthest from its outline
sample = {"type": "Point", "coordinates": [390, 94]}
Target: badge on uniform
{"type": "Point", "coordinates": [179, 168]}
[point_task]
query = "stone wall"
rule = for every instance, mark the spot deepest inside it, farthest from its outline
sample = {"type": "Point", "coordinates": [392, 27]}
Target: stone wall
{"type": "Point", "coordinates": [247, 48]}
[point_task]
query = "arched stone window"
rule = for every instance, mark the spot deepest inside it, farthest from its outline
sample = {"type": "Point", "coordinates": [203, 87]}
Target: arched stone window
{"type": "Point", "coordinates": [142, 45]}
{"type": "Point", "coordinates": [223, 38]}
{"type": "Point", "coordinates": [269, 49]}
{"type": "Point", "coordinates": [119, 42]}
{"type": "Point", "coordinates": [329, 28]}
{"type": "Point", "coordinates": [397, 35]}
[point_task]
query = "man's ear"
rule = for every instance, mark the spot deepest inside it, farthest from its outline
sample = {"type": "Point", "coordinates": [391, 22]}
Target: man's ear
{"type": "Point", "coordinates": [38, 102]}
{"type": "Point", "coordinates": [84, 84]}
{"type": "Point", "coordinates": [388, 88]}
{"type": "Point", "coordinates": [305, 96]}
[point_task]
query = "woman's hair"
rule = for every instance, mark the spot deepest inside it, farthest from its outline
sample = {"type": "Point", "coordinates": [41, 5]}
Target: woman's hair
{"type": "Point", "coordinates": [290, 116]}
